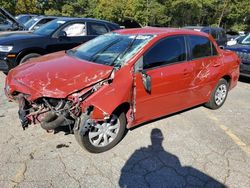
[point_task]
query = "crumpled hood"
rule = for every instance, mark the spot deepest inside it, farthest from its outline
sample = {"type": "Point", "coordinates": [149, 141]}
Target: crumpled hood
{"type": "Point", "coordinates": [56, 75]}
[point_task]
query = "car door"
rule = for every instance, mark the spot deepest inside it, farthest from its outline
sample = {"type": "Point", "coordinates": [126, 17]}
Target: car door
{"type": "Point", "coordinates": [171, 75]}
{"type": "Point", "coordinates": [207, 67]}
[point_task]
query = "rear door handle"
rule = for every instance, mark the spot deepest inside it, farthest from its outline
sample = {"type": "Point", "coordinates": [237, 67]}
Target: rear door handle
{"type": "Point", "coordinates": [216, 64]}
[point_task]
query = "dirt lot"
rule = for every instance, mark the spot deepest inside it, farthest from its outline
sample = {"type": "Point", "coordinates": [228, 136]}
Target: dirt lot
{"type": "Point", "coordinates": [195, 148]}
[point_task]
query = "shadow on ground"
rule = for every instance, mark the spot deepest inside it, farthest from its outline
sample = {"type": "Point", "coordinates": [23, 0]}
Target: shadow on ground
{"type": "Point", "coordinates": [152, 166]}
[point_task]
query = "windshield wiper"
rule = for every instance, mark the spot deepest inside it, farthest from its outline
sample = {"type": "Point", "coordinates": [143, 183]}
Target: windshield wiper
{"type": "Point", "coordinates": [125, 51]}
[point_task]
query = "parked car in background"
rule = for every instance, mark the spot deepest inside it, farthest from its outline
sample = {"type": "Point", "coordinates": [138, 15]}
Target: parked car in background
{"type": "Point", "coordinates": [120, 80]}
{"type": "Point", "coordinates": [242, 48]}
{"type": "Point", "coordinates": [8, 22]}
{"type": "Point", "coordinates": [217, 33]}
{"type": "Point", "coordinates": [23, 18]}
{"type": "Point", "coordinates": [57, 35]}
{"type": "Point", "coordinates": [235, 40]}
{"type": "Point", "coordinates": [36, 22]}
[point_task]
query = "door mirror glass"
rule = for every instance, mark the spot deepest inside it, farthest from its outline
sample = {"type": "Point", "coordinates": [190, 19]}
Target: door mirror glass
{"type": "Point", "coordinates": [146, 79]}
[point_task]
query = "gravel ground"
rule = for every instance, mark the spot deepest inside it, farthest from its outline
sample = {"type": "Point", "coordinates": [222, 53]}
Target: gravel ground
{"type": "Point", "coordinates": [195, 148]}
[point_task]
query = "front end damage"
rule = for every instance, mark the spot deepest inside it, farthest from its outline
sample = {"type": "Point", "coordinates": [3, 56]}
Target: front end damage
{"type": "Point", "coordinates": [52, 113]}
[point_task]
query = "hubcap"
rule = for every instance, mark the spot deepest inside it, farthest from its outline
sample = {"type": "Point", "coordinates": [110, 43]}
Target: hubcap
{"type": "Point", "coordinates": [103, 133]}
{"type": "Point", "coordinates": [220, 94]}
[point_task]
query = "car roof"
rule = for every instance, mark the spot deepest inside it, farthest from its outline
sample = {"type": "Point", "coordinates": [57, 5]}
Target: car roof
{"type": "Point", "coordinates": [84, 19]}
{"type": "Point", "coordinates": [43, 16]}
{"type": "Point", "coordinates": [203, 27]}
{"type": "Point", "coordinates": [160, 31]}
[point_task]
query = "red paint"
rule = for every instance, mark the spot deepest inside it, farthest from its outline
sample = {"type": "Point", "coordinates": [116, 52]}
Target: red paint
{"type": "Point", "coordinates": [174, 87]}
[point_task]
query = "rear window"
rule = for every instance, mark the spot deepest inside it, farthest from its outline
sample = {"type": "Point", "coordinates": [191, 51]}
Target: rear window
{"type": "Point", "coordinates": [97, 28]}
{"type": "Point", "coordinates": [168, 50]}
{"type": "Point", "coordinates": [201, 47]}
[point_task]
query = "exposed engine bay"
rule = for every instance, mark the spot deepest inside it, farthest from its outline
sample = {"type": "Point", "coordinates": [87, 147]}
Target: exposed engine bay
{"type": "Point", "coordinates": [51, 112]}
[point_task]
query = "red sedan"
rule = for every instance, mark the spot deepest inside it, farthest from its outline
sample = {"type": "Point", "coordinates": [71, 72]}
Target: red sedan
{"type": "Point", "coordinates": [120, 80]}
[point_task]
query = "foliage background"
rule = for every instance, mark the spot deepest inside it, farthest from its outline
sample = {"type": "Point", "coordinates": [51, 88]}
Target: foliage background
{"type": "Point", "coordinates": [230, 14]}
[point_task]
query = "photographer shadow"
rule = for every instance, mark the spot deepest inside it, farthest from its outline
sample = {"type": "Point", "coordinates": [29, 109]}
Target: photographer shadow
{"type": "Point", "coordinates": [152, 166]}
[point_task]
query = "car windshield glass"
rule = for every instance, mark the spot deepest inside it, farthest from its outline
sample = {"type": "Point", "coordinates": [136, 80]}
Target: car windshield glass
{"type": "Point", "coordinates": [111, 49]}
{"type": "Point", "coordinates": [49, 28]}
{"type": "Point", "coordinates": [29, 23]}
{"type": "Point", "coordinates": [245, 40]}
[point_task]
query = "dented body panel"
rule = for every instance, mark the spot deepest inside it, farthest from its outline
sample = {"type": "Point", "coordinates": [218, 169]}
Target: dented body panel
{"type": "Point", "coordinates": [102, 89]}
{"type": "Point", "coordinates": [56, 75]}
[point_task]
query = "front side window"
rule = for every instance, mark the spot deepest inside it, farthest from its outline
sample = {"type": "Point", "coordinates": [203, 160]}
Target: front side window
{"type": "Point", "coordinates": [111, 49]}
{"type": "Point", "coordinates": [200, 47]}
{"type": "Point", "coordinates": [76, 29]}
{"type": "Point", "coordinates": [168, 50]}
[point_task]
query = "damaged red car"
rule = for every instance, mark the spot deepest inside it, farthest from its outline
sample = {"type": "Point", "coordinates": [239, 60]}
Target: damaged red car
{"type": "Point", "coordinates": [120, 80]}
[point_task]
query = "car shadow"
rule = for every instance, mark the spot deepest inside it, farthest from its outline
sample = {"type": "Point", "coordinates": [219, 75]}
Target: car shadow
{"type": "Point", "coordinates": [244, 79]}
{"type": "Point", "coordinates": [152, 166]}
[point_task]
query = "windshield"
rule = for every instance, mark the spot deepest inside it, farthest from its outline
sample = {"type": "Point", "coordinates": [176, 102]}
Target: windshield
{"type": "Point", "coordinates": [49, 28]}
{"type": "Point", "coordinates": [245, 40]}
{"type": "Point", "coordinates": [111, 49]}
{"type": "Point", "coordinates": [31, 22]}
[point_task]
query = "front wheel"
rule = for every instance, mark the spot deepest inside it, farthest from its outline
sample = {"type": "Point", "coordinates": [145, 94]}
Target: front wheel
{"type": "Point", "coordinates": [97, 137]}
{"type": "Point", "coordinates": [29, 56]}
{"type": "Point", "coordinates": [219, 95]}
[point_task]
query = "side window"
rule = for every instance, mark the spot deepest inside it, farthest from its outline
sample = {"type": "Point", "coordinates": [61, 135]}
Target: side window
{"type": "Point", "coordinates": [43, 21]}
{"type": "Point", "coordinates": [75, 29]}
{"type": "Point", "coordinates": [168, 50]}
{"type": "Point", "coordinates": [199, 47]}
{"type": "Point", "coordinates": [97, 28]}
{"type": "Point", "coordinates": [214, 34]}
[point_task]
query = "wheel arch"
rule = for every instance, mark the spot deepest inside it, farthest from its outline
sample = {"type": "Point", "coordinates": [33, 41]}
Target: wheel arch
{"type": "Point", "coordinates": [228, 79]}
{"type": "Point", "coordinates": [123, 107]}
{"type": "Point", "coordinates": [29, 51]}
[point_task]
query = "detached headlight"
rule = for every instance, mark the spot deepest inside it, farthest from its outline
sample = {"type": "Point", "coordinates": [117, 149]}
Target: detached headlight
{"type": "Point", "coordinates": [5, 48]}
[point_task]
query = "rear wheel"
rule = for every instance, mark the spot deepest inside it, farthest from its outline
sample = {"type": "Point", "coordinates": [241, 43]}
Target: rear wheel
{"type": "Point", "coordinates": [29, 56]}
{"type": "Point", "coordinates": [219, 95]}
{"type": "Point", "coordinates": [97, 137]}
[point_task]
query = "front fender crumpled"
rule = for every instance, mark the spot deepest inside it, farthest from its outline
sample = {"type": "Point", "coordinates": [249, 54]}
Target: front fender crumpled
{"type": "Point", "coordinates": [110, 96]}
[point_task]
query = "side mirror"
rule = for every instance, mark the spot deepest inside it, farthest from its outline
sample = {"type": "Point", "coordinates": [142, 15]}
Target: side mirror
{"type": "Point", "coordinates": [146, 80]}
{"type": "Point", "coordinates": [222, 47]}
{"type": "Point", "coordinates": [62, 34]}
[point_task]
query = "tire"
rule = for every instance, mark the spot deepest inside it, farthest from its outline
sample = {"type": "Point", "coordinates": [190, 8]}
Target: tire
{"type": "Point", "coordinates": [29, 56]}
{"type": "Point", "coordinates": [219, 95]}
{"type": "Point", "coordinates": [85, 136]}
